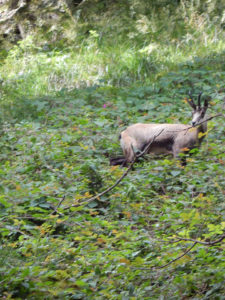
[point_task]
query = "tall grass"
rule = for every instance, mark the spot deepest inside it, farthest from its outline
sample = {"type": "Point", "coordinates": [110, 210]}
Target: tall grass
{"type": "Point", "coordinates": [144, 44]}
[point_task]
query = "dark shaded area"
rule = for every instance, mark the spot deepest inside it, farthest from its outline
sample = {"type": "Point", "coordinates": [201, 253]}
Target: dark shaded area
{"type": "Point", "coordinates": [117, 161]}
{"type": "Point", "coordinates": [166, 143]}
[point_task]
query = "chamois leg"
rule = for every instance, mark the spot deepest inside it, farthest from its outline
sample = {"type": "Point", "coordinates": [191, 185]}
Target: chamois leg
{"type": "Point", "coordinates": [176, 152]}
{"type": "Point", "coordinates": [128, 145]}
{"type": "Point", "coordinates": [118, 161]}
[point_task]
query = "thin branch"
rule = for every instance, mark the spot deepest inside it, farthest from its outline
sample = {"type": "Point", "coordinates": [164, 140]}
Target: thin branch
{"type": "Point", "coordinates": [177, 258]}
{"type": "Point", "coordinates": [7, 218]}
{"type": "Point", "coordinates": [120, 179]}
{"type": "Point", "coordinates": [195, 242]}
{"type": "Point", "coordinates": [206, 120]}
{"type": "Point", "coordinates": [148, 146]}
{"type": "Point", "coordinates": [211, 243]}
{"type": "Point", "coordinates": [58, 205]}
{"type": "Point", "coordinates": [170, 262]}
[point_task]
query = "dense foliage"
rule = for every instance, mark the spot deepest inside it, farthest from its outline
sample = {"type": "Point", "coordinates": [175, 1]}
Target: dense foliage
{"type": "Point", "coordinates": [62, 109]}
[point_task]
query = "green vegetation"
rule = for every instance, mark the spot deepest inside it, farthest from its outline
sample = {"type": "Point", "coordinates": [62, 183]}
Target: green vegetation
{"type": "Point", "coordinates": [63, 106]}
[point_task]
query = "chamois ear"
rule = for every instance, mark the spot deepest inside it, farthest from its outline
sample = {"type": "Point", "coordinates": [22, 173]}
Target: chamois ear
{"type": "Point", "coordinates": [190, 101]}
{"type": "Point", "coordinates": [199, 100]}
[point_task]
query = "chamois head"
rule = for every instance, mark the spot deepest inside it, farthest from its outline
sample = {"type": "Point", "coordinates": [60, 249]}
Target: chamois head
{"type": "Point", "coordinates": [199, 111]}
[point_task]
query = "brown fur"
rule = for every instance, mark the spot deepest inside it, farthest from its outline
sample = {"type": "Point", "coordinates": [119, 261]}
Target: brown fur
{"type": "Point", "coordinates": [174, 139]}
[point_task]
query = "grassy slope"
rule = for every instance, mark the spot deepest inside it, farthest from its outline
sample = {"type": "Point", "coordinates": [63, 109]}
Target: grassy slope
{"type": "Point", "coordinates": [62, 111]}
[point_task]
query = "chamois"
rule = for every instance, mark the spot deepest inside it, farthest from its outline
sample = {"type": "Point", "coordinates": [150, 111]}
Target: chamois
{"type": "Point", "coordinates": [174, 138]}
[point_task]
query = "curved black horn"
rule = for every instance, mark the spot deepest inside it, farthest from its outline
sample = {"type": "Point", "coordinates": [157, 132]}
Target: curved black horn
{"type": "Point", "coordinates": [199, 99]}
{"type": "Point", "coordinates": [190, 100]}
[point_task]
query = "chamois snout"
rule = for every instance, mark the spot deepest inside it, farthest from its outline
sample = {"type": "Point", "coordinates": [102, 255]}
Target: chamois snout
{"type": "Point", "coordinates": [198, 114]}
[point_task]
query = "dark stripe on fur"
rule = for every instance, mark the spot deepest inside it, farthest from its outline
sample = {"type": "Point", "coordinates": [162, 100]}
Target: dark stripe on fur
{"type": "Point", "coordinates": [165, 143]}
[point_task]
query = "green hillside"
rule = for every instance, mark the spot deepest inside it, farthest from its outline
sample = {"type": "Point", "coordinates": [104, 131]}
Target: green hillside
{"type": "Point", "coordinates": [67, 89]}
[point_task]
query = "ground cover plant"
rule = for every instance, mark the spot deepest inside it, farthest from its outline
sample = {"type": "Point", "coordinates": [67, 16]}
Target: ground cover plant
{"type": "Point", "coordinates": [159, 234]}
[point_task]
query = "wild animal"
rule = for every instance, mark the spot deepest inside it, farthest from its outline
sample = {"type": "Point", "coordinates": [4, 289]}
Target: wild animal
{"type": "Point", "coordinates": [174, 138]}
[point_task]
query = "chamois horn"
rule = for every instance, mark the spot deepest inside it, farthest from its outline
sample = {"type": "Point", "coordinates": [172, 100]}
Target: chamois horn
{"type": "Point", "coordinates": [199, 100]}
{"type": "Point", "coordinates": [190, 101]}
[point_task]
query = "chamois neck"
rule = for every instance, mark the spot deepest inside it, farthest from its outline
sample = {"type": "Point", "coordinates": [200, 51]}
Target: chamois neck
{"type": "Point", "coordinates": [202, 128]}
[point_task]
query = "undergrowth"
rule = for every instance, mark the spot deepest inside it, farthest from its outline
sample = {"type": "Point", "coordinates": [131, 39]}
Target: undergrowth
{"type": "Point", "coordinates": [62, 110]}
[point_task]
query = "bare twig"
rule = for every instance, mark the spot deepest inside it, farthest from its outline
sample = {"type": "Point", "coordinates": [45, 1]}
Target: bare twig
{"type": "Point", "coordinates": [58, 205]}
{"type": "Point", "coordinates": [206, 120]}
{"type": "Point", "coordinates": [211, 243]}
{"type": "Point", "coordinates": [4, 219]}
{"type": "Point", "coordinates": [121, 178]}
{"type": "Point", "coordinates": [170, 262]}
{"type": "Point", "coordinates": [178, 240]}
{"type": "Point", "coordinates": [179, 257]}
